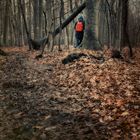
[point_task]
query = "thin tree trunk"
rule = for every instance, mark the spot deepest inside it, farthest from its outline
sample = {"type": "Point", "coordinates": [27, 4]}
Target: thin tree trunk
{"type": "Point", "coordinates": [40, 18]}
{"type": "Point", "coordinates": [125, 23]}
{"type": "Point", "coordinates": [6, 16]}
{"type": "Point", "coordinates": [36, 19]}
{"type": "Point", "coordinates": [25, 24]}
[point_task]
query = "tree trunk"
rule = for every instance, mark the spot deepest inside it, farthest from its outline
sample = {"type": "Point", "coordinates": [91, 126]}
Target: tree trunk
{"type": "Point", "coordinates": [6, 16]}
{"type": "Point", "coordinates": [36, 19]}
{"type": "Point", "coordinates": [25, 25]}
{"type": "Point", "coordinates": [126, 39]}
{"type": "Point", "coordinates": [40, 18]}
{"type": "Point", "coordinates": [90, 41]}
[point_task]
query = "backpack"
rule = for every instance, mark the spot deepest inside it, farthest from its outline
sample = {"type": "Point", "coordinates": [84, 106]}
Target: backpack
{"type": "Point", "coordinates": [79, 26]}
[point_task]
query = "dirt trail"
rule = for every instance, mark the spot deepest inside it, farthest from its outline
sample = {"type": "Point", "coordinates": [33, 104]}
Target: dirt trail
{"type": "Point", "coordinates": [32, 106]}
{"type": "Point", "coordinates": [46, 100]}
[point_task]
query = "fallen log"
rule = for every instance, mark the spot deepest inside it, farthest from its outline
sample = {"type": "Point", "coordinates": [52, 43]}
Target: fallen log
{"type": "Point", "coordinates": [76, 56]}
{"type": "Point", "coordinates": [115, 54]}
{"type": "Point", "coordinates": [38, 44]}
{"type": "Point", "coordinates": [69, 19]}
{"type": "Point", "coordinates": [64, 24]}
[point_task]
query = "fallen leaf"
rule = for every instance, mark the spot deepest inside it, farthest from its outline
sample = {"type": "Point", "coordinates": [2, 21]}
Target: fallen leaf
{"type": "Point", "coordinates": [126, 113]}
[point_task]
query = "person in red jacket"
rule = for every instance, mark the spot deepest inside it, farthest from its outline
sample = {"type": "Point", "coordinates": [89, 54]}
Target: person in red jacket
{"type": "Point", "coordinates": [79, 31]}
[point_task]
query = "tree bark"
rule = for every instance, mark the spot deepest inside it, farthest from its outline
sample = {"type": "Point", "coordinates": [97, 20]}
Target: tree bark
{"type": "Point", "coordinates": [6, 16]}
{"type": "Point", "coordinates": [40, 18]}
{"type": "Point", "coordinates": [25, 24]}
{"type": "Point", "coordinates": [126, 39]}
{"type": "Point", "coordinates": [90, 41]}
{"type": "Point", "coordinates": [36, 18]}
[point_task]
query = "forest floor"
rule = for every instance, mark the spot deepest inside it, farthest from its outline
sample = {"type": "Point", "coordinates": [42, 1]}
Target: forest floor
{"type": "Point", "coordinates": [83, 100]}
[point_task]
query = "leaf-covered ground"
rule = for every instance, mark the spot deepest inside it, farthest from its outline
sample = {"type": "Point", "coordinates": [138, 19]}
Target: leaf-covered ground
{"type": "Point", "coordinates": [83, 100]}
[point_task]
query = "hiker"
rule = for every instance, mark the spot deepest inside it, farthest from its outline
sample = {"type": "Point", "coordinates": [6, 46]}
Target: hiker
{"type": "Point", "coordinates": [79, 31]}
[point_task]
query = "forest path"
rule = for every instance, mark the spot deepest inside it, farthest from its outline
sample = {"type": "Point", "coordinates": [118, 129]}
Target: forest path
{"type": "Point", "coordinates": [34, 106]}
{"type": "Point", "coordinates": [44, 99]}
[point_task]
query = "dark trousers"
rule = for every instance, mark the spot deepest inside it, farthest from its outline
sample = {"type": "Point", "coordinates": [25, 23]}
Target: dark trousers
{"type": "Point", "coordinates": [79, 38]}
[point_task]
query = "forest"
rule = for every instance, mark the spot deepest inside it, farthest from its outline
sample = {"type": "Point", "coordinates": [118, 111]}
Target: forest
{"type": "Point", "coordinates": [69, 69]}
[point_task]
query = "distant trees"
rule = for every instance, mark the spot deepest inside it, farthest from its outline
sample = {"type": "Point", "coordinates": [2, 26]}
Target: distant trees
{"type": "Point", "coordinates": [12, 29]}
{"type": "Point", "coordinates": [107, 24]}
{"type": "Point", "coordinates": [114, 23]}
